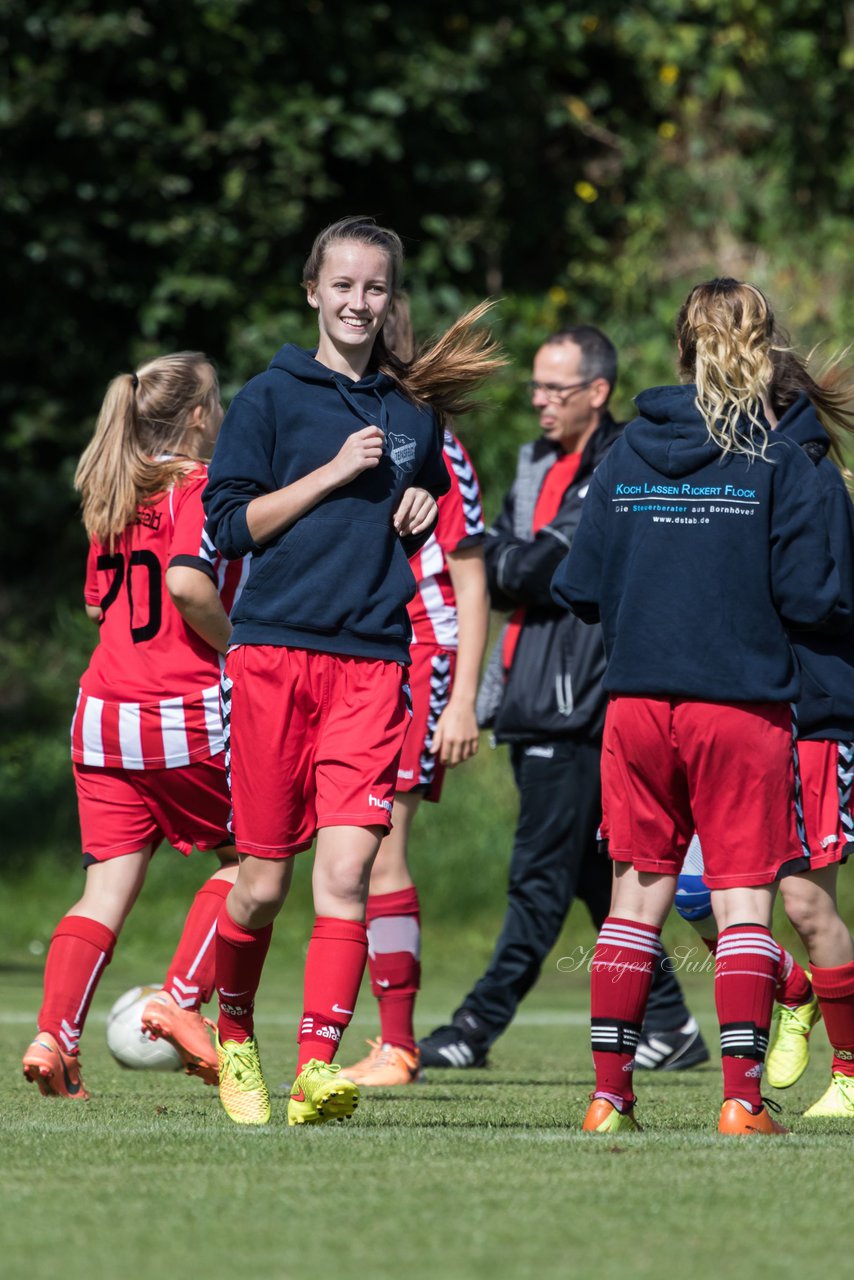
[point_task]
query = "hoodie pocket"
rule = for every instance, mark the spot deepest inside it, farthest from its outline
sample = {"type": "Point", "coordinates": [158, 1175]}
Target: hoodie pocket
{"type": "Point", "coordinates": [337, 575]}
{"type": "Point", "coordinates": [267, 569]}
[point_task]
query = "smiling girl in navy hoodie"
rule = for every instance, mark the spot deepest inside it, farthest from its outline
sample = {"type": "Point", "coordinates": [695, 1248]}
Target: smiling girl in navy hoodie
{"type": "Point", "coordinates": [701, 540]}
{"type": "Point", "coordinates": [327, 470]}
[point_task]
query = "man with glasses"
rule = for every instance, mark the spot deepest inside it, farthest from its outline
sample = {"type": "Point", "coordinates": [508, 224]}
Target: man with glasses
{"type": "Point", "coordinates": [542, 694]}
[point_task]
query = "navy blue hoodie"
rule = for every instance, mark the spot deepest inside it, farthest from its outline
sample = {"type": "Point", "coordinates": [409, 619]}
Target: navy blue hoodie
{"type": "Point", "coordinates": [826, 705]}
{"type": "Point", "coordinates": [696, 561]}
{"type": "Point", "coordinates": [338, 579]}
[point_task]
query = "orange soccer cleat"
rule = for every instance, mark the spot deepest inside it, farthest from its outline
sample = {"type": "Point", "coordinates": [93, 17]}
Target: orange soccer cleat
{"type": "Point", "coordinates": [187, 1031]}
{"type": "Point", "coordinates": [603, 1117]}
{"type": "Point", "coordinates": [355, 1072]}
{"type": "Point", "coordinates": [57, 1074]}
{"type": "Point", "coordinates": [391, 1066]}
{"type": "Point", "coordinates": [737, 1119]}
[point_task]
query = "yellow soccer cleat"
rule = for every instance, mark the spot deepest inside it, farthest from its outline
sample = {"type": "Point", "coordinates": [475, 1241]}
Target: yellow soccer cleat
{"type": "Point", "coordinates": [603, 1117]}
{"type": "Point", "coordinates": [321, 1093]}
{"type": "Point", "coordinates": [838, 1102]}
{"type": "Point", "coordinates": [242, 1088]}
{"type": "Point", "coordinates": [789, 1051]}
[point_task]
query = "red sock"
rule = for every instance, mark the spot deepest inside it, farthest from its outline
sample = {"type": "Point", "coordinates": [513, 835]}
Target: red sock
{"type": "Point", "coordinates": [394, 945]}
{"type": "Point", "coordinates": [240, 956]}
{"type": "Point", "coordinates": [623, 963]}
{"type": "Point", "coordinates": [190, 980]}
{"type": "Point", "coordinates": [333, 974]}
{"type": "Point", "coordinates": [746, 963]}
{"type": "Point", "coordinates": [835, 991]}
{"type": "Point", "coordinates": [793, 985]}
{"type": "Point", "coordinates": [79, 952]}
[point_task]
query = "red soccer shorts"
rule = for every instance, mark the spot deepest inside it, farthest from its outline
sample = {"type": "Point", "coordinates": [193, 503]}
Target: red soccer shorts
{"type": "Point", "coordinates": [315, 740]}
{"type": "Point", "coordinates": [122, 810]}
{"type": "Point", "coordinates": [672, 764]}
{"type": "Point", "coordinates": [431, 676]}
{"type": "Point", "coordinates": [825, 769]}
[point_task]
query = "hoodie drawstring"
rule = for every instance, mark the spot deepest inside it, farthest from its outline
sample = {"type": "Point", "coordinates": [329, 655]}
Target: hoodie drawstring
{"type": "Point", "coordinates": [350, 400]}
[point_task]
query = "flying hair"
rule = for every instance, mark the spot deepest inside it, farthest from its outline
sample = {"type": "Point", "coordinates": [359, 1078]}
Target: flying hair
{"type": "Point", "coordinates": [446, 374]}
{"type": "Point", "coordinates": [726, 337]}
{"type": "Point", "coordinates": [831, 393]}
{"type": "Point", "coordinates": [144, 416]}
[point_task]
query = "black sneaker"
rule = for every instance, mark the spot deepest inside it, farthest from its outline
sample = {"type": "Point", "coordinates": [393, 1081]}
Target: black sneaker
{"type": "Point", "coordinates": [675, 1050]}
{"type": "Point", "coordinates": [457, 1045]}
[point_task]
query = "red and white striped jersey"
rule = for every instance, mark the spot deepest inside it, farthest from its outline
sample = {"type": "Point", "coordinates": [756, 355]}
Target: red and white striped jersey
{"type": "Point", "coordinates": [149, 698]}
{"type": "Point", "coordinates": [433, 611]}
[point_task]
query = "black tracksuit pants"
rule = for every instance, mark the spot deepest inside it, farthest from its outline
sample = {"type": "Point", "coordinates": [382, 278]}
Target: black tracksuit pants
{"type": "Point", "coordinates": [555, 860]}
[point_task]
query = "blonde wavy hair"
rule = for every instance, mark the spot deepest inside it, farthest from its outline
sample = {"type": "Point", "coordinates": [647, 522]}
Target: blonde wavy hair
{"type": "Point", "coordinates": [144, 416]}
{"type": "Point", "coordinates": [726, 334]}
{"type": "Point", "coordinates": [445, 374]}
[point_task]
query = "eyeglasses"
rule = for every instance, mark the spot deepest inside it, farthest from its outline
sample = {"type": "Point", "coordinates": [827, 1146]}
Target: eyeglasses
{"type": "Point", "coordinates": [552, 391]}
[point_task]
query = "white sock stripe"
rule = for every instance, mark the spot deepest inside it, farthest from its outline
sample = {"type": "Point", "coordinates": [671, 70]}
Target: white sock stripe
{"type": "Point", "coordinates": [623, 934]}
{"type": "Point", "coordinates": [186, 988]}
{"type": "Point", "coordinates": [746, 973]}
{"type": "Point", "coordinates": [634, 948]}
{"type": "Point", "coordinates": [749, 949]}
{"type": "Point", "coordinates": [741, 939]}
{"type": "Point", "coordinates": [69, 1035]}
{"type": "Point", "coordinates": [99, 964]}
{"type": "Point", "coordinates": [200, 955]}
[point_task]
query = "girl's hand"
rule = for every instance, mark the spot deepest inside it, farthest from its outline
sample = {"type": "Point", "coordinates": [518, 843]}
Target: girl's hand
{"type": "Point", "coordinates": [416, 511]}
{"type": "Point", "coordinates": [360, 452]}
{"type": "Point", "coordinates": [456, 735]}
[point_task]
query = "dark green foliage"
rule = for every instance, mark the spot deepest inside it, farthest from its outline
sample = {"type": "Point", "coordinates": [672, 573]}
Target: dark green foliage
{"type": "Point", "coordinates": [165, 167]}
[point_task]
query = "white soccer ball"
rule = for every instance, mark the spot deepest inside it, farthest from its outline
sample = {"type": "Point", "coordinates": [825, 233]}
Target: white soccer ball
{"type": "Point", "coordinates": [129, 1044]}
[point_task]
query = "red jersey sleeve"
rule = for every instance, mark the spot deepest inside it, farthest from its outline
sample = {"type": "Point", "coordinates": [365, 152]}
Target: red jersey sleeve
{"type": "Point", "coordinates": [188, 545]}
{"type": "Point", "coordinates": [91, 593]}
{"type": "Point", "coordinates": [460, 521]}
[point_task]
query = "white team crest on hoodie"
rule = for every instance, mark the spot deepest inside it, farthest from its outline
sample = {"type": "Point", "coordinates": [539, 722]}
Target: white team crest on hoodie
{"type": "Point", "coordinates": [401, 450]}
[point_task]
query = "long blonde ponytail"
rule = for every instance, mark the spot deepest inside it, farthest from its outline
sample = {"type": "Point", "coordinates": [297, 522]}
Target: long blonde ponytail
{"type": "Point", "coordinates": [725, 331]}
{"type": "Point", "coordinates": [144, 415]}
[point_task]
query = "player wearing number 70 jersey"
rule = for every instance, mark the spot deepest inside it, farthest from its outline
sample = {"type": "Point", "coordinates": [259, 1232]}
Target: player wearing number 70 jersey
{"type": "Point", "coordinates": [146, 737]}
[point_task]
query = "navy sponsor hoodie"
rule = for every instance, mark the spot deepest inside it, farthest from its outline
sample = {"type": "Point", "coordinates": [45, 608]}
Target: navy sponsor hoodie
{"type": "Point", "coordinates": [338, 579]}
{"type": "Point", "coordinates": [826, 704]}
{"type": "Point", "coordinates": [696, 562]}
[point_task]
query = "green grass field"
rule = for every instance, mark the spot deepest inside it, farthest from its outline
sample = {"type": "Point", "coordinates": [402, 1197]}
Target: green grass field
{"type": "Point", "coordinates": [473, 1174]}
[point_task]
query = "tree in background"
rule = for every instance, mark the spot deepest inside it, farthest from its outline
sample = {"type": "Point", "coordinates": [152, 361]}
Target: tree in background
{"type": "Point", "coordinates": [165, 167]}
